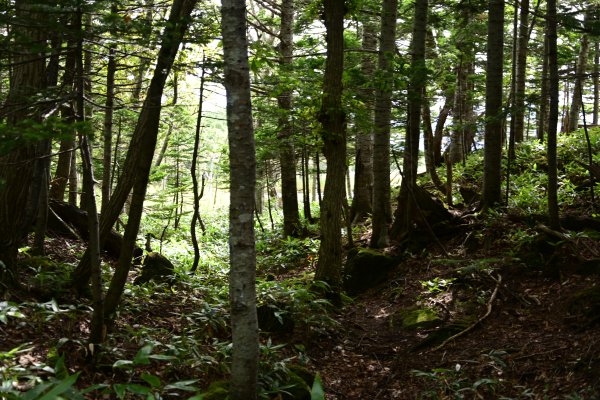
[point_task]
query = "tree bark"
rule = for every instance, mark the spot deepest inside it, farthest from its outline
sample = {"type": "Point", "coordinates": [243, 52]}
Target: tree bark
{"type": "Point", "coordinates": [578, 84]}
{"type": "Point", "coordinates": [492, 179]}
{"type": "Point", "coordinates": [407, 199]}
{"type": "Point", "coordinates": [362, 201]}
{"type": "Point", "coordinates": [551, 32]}
{"type": "Point", "coordinates": [17, 167]}
{"type": "Point", "coordinates": [596, 80]}
{"type": "Point", "coordinates": [242, 161]}
{"type": "Point", "coordinates": [543, 113]}
{"type": "Point", "coordinates": [333, 133]}
{"type": "Point", "coordinates": [287, 153]}
{"type": "Point", "coordinates": [521, 73]}
{"type": "Point", "coordinates": [382, 208]}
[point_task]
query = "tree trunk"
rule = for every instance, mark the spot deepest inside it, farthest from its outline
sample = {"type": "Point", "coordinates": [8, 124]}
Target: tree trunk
{"type": "Point", "coordinates": [551, 32]}
{"type": "Point", "coordinates": [287, 154]}
{"type": "Point", "coordinates": [492, 179]}
{"type": "Point", "coordinates": [333, 133]}
{"type": "Point", "coordinates": [143, 142]}
{"type": "Point", "coordinates": [596, 80]}
{"type": "Point", "coordinates": [521, 73]}
{"type": "Point", "coordinates": [108, 123]}
{"type": "Point", "coordinates": [362, 201]}
{"type": "Point", "coordinates": [429, 147]}
{"type": "Point", "coordinates": [543, 113]}
{"type": "Point", "coordinates": [407, 199]}
{"type": "Point", "coordinates": [382, 208]}
{"type": "Point", "coordinates": [193, 172]}
{"type": "Point", "coordinates": [242, 161]}
{"type": "Point", "coordinates": [17, 169]}
{"type": "Point", "coordinates": [578, 85]}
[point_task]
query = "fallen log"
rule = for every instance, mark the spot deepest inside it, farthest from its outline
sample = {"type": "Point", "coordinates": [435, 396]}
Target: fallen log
{"type": "Point", "coordinates": [67, 220]}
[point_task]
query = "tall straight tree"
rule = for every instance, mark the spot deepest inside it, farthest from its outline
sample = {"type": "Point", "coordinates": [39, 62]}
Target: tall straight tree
{"type": "Point", "coordinates": [18, 166]}
{"type": "Point", "coordinates": [242, 161]}
{"type": "Point", "coordinates": [521, 73]}
{"type": "Point", "coordinates": [362, 201]}
{"type": "Point", "coordinates": [382, 209]}
{"type": "Point", "coordinates": [333, 133]}
{"type": "Point", "coordinates": [551, 32]}
{"type": "Point", "coordinates": [580, 75]}
{"type": "Point", "coordinates": [287, 154]}
{"type": "Point", "coordinates": [492, 175]}
{"type": "Point", "coordinates": [406, 199]}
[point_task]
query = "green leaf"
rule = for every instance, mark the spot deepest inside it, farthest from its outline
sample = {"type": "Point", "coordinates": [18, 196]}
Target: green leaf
{"type": "Point", "coordinates": [122, 363]}
{"type": "Point", "coordinates": [142, 356]}
{"type": "Point", "coordinates": [317, 392]}
{"type": "Point", "coordinates": [119, 389]}
{"type": "Point", "coordinates": [61, 387]}
{"type": "Point", "coordinates": [162, 357]}
{"type": "Point", "coordinates": [183, 385]}
{"type": "Point", "coordinates": [152, 380]}
{"type": "Point", "coordinates": [137, 389]}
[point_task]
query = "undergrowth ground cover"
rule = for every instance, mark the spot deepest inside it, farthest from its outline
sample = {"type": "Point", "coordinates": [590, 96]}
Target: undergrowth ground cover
{"type": "Point", "coordinates": [504, 309]}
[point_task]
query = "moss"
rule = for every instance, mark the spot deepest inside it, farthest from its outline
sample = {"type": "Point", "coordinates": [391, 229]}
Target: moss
{"type": "Point", "coordinates": [218, 390]}
{"type": "Point", "coordinates": [420, 318]}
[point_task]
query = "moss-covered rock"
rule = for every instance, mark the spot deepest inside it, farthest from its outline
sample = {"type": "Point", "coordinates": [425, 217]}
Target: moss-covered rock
{"type": "Point", "coordinates": [218, 390]}
{"type": "Point", "coordinates": [366, 268]}
{"type": "Point", "coordinates": [419, 318]}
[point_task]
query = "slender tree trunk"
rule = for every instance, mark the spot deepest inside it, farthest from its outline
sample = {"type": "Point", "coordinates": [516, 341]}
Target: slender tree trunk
{"type": "Point", "coordinates": [242, 161]}
{"type": "Point", "coordinates": [492, 179]}
{"type": "Point", "coordinates": [165, 145]}
{"type": "Point", "coordinates": [596, 80]}
{"type": "Point", "coordinates": [429, 147]}
{"type": "Point", "coordinates": [551, 32]}
{"type": "Point", "coordinates": [382, 208]}
{"type": "Point", "coordinates": [418, 78]}
{"type": "Point", "coordinates": [578, 85]}
{"type": "Point", "coordinates": [317, 177]}
{"type": "Point", "coordinates": [196, 214]}
{"type": "Point", "coordinates": [519, 109]}
{"type": "Point", "coordinates": [305, 185]}
{"type": "Point", "coordinates": [287, 153]}
{"type": "Point", "coordinates": [362, 201]}
{"type": "Point", "coordinates": [543, 113]}
{"type": "Point", "coordinates": [332, 118]}
{"type": "Point", "coordinates": [108, 123]}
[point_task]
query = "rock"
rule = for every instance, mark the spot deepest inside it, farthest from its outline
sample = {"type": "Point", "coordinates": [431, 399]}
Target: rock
{"type": "Point", "coordinates": [274, 318]}
{"type": "Point", "coordinates": [419, 318]}
{"type": "Point", "coordinates": [366, 268]}
{"type": "Point", "coordinates": [156, 267]}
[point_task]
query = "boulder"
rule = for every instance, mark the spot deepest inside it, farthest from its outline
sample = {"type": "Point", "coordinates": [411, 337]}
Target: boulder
{"type": "Point", "coordinates": [366, 268]}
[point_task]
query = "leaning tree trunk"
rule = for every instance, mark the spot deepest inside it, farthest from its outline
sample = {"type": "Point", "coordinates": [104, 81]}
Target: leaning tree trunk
{"type": "Point", "coordinates": [242, 161]}
{"type": "Point", "coordinates": [492, 175]}
{"type": "Point", "coordinates": [17, 169]}
{"type": "Point", "coordinates": [333, 133]}
{"type": "Point", "coordinates": [143, 142]}
{"type": "Point", "coordinates": [362, 201]}
{"type": "Point", "coordinates": [382, 208]}
{"type": "Point", "coordinates": [287, 154]}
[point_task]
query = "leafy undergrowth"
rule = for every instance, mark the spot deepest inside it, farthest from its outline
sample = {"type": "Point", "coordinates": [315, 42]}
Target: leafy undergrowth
{"type": "Point", "coordinates": [497, 307]}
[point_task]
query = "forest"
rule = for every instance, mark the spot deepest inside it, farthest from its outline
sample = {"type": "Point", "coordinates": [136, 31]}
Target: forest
{"type": "Point", "coordinates": [299, 199]}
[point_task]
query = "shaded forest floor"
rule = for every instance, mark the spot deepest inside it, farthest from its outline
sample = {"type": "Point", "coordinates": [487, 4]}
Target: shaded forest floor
{"type": "Point", "coordinates": [527, 316]}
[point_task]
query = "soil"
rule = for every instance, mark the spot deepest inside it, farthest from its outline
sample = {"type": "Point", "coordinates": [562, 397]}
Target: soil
{"type": "Point", "coordinates": [521, 333]}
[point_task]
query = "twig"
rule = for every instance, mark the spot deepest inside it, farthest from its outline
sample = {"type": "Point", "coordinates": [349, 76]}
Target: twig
{"type": "Point", "coordinates": [473, 325]}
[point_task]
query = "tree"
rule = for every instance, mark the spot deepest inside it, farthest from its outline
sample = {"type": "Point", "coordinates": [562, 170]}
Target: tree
{"type": "Point", "coordinates": [551, 32]}
{"type": "Point", "coordinates": [333, 133]}
{"type": "Point", "coordinates": [492, 175]}
{"type": "Point", "coordinates": [287, 155]}
{"type": "Point", "coordinates": [362, 201]}
{"type": "Point", "coordinates": [242, 161]}
{"type": "Point", "coordinates": [382, 209]}
{"type": "Point", "coordinates": [18, 161]}
{"type": "Point", "coordinates": [407, 205]}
